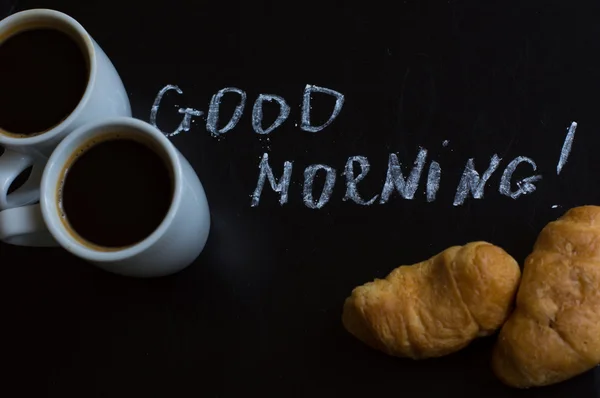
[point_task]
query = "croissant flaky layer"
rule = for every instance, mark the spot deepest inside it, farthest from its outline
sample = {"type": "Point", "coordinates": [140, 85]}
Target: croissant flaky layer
{"type": "Point", "coordinates": [437, 306]}
{"type": "Point", "coordinates": [554, 333]}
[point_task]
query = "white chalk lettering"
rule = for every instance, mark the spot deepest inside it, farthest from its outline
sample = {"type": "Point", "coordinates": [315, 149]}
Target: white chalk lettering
{"type": "Point", "coordinates": [401, 179]}
{"type": "Point", "coordinates": [471, 182]}
{"type": "Point", "coordinates": [306, 107]}
{"type": "Point", "coordinates": [158, 99]}
{"type": "Point", "coordinates": [309, 178]}
{"type": "Point", "coordinates": [156, 106]}
{"type": "Point", "coordinates": [352, 180]}
{"type": "Point", "coordinates": [186, 123]}
{"type": "Point", "coordinates": [433, 180]}
{"type": "Point", "coordinates": [212, 121]}
{"type": "Point", "coordinates": [566, 148]}
{"type": "Point", "coordinates": [257, 113]}
{"type": "Point", "coordinates": [266, 172]}
{"type": "Point", "coordinates": [525, 185]}
{"type": "Point", "coordinates": [396, 181]}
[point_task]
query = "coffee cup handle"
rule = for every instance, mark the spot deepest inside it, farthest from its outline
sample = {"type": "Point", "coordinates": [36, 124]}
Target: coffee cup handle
{"type": "Point", "coordinates": [11, 165]}
{"type": "Point", "coordinates": [25, 226]}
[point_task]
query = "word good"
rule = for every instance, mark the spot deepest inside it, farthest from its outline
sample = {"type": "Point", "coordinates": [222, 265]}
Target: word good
{"type": "Point", "coordinates": [213, 122]}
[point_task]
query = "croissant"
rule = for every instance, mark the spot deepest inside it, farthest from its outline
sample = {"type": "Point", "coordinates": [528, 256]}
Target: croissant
{"type": "Point", "coordinates": [435, 307]}
{"type": "Point", "coordinates": [554, 333]}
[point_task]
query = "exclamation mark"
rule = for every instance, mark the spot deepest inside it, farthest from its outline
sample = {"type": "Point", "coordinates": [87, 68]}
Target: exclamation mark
{"type": "Point", "coordinates": [566, 149]}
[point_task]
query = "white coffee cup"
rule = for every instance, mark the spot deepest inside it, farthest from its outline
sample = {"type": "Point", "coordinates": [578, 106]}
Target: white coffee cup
{"type": "Point", "coordinates": [173, 245]}
{"type": "Point", "coordinates": [104, 96]}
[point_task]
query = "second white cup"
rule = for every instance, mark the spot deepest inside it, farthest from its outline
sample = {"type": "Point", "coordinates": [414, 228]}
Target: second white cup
{"type": "Point", "coordinates": [118, 194]}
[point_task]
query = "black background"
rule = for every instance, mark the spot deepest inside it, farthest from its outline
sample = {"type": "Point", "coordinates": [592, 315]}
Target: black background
{"type": "Point", "coordinates": [259, 311]}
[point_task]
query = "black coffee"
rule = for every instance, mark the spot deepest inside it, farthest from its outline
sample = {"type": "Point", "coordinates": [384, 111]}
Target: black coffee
{"type": "Point", "coordinates": [43, 75]}
{"type": "Point", "coordinates": [116, 193]}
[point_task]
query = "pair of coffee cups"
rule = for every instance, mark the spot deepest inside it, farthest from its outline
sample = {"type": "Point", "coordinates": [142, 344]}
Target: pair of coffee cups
{"type": "Point", "coordinates": [102, 115]}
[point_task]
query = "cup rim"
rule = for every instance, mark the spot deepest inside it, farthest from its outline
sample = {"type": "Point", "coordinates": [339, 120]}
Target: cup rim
{"type": "Point", "coordinates": [90, 54]}
{"type": "Point", "coordinates": [60, 157]}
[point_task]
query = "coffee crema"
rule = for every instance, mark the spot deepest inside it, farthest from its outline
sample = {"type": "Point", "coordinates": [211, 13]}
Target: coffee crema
{"type": "Point", "coordinates": [114, 192]}
{"type": "Point", "coordinates": [44, 73]}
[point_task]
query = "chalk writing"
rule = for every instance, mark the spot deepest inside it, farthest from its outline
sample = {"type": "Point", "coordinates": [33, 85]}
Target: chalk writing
{"type": "Point", "coordinates": [471, 182]}
{"type": "Point", "coordinates": [308, 91]}
{"type": "Point", "coordinates": [187, 119]}
{"type": "Point", "coordinates": [257, 113]}
{"type": "Point", "coordinates": [566, 149]}
{"type": "Point", "coordinates": [266, 172]}
{"type": "Point", "coordinates": [433, 180]}
{"type": "Point", "coordinates": [214, 111]}
{"type": "Point", "coordinates": [188, 112]}
{"type": "Point", "coordinates": [357, 168]}
{"type": "Point", "coordinates": [396, 181]}
{"type": "Point", "coordinates": [352, 180]}
{"type": "Point", "coordinates": [309, 178]}
{"type": "Point", "coordinates": [525, 185]}
{"type": "Point", "coordinates": [158, 99]}
{"type": "Point", "coordinates": [212, 120]}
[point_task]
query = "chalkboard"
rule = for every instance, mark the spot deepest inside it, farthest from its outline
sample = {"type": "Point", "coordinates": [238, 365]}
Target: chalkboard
{"type": "Point", "coordinates": [259, 312]}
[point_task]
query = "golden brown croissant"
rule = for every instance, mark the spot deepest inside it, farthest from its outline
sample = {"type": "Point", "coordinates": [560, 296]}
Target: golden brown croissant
{"type": "Point", "coordinates": [554, 333]}
{"type": "Point", "coordinates": [438, 306]}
